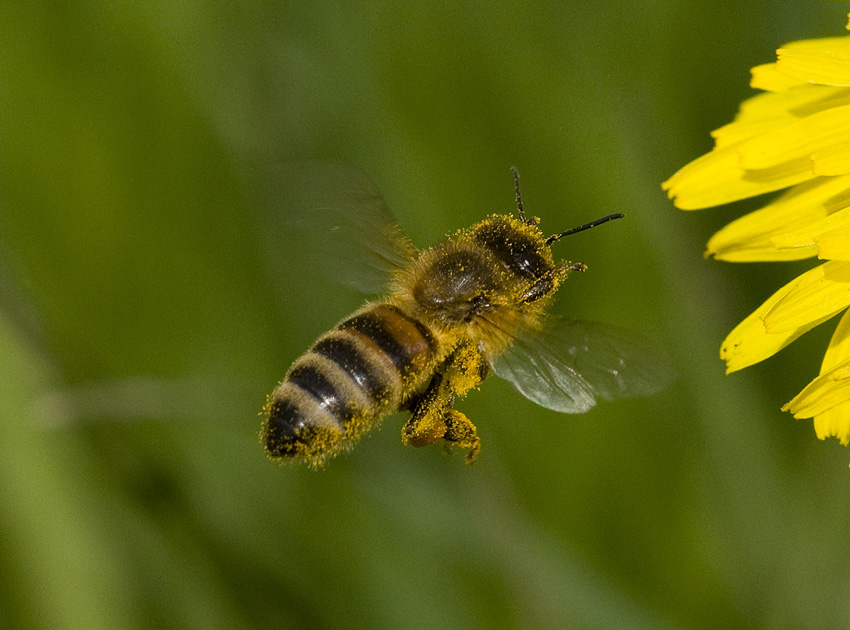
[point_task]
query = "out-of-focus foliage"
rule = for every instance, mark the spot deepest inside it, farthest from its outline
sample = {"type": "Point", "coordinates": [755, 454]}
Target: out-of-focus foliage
{"type": "Point", "coordinates": [145, 313]}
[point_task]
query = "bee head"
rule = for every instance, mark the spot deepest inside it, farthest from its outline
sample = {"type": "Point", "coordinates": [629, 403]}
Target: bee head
{"type": "Point", "coordinates": [458, 281]}
{"type": "Point", "coordinates": [518, 244]}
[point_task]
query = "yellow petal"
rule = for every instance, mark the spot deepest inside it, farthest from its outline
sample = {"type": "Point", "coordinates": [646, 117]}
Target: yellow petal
{"type": "Point", "coordinates": [750, 343]}
{"type": "Point", "coordinates": [766, 112]}
{"type": "Point", "coordinates": [805, 236]}
{"type": "Point", "coordinates": [815, 296]}
{"type": "Point", "coordinates": [834, 160]}
{"type": "Point", "coordinates": [799, 139]}
{"type": "Point", "coordinates": [834, 422]}
{"type": "Point", "coordinates": [834, 244]}
{"type": "Point", "coordinates": [751, 252]}
{"type": "Point", "coordinates": [825, 61]}
{"type": "Point", "coordinates": [823, 393]}
{"type": "Point", "coordinates": [748, 239]}
{"type": "Point", "coordinates": [838, 350]}
{"type": "Point", "coordinates": [766, 77]}
{"type": "Point", "coordinates": [716, 179]}
{"type": "Point", "coordinates": [797, 102]}
{"type": "Point", "coordinates": [737, 131]}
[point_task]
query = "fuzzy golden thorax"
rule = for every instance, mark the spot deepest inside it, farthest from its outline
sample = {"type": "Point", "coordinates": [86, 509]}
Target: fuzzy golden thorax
{"type": "Point", "coordinates": [484, 282]}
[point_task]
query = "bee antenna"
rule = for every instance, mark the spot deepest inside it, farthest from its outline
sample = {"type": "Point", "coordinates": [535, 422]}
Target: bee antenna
{"type": "Point", "coordinates": [582, 228]}
{"type": "Point", "coordinates": [519, 207]}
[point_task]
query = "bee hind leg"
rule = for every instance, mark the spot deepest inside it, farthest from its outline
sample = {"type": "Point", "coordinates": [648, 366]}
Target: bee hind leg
{"type": "Point", "coordinates": [434, 418]}
{"type": "Point", "coordinates": [426, 424]}
{"type": "Point", "coordinates": [461, 431]}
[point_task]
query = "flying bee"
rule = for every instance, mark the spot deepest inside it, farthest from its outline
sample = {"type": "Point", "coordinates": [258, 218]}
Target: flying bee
{"type": "Point", "coordinates": [472, 304]}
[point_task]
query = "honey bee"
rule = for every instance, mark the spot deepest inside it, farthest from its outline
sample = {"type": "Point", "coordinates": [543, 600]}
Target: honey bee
{"type": "Point", "coordinates": [475, 303]}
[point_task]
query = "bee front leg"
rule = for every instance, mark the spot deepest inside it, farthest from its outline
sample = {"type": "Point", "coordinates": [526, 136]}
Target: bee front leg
{"type": "Point", "coordinates": [548, 283]}
{"type": "Point", "coordinates": [432, 414]}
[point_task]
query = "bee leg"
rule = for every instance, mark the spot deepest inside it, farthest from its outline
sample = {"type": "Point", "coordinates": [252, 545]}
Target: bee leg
{"type": "Point", "coordinates": [548, 283]}
{"type": "Point", "coordinates": [433, 417]}
{"type": "Point", "coordinates": [462, 432]}
{"type": "Point", "coordinates": [426, 424]}
{"type": "Point", "coordinates": [466, 369]}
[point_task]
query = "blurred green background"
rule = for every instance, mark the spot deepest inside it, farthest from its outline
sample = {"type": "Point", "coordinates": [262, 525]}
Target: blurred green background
{"type": "Point", "coordinates": [145, 316]}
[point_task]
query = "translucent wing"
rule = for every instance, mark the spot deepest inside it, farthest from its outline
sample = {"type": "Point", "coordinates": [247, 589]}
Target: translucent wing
{"type": "Point", "coordinates": [332, 217]}
{"type": "Point", "coordinates": [570, 365]}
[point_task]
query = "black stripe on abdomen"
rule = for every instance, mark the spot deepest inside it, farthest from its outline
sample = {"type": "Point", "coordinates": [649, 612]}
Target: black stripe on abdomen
{"type": "Point", "coordinates": [284, 428]}
{"type": "Point", "coordinates": [313, 381]}
{"type": "Point", "coordinates": [407, 343]}
{"type": "Point", "coordinates": [345, 353]}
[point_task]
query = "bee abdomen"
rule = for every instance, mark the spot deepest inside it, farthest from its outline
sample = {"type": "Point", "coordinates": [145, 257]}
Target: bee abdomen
{"type": "Point", "coordinates": [352, 377]}
{"type": "Point", "coordinates": [404, 341]}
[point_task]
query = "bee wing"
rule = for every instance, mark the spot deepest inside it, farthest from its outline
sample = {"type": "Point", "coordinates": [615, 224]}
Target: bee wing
{"type": "Point", "coordinates": [569, 365]}
{"type": "Point", "coordinates": [332, 217]}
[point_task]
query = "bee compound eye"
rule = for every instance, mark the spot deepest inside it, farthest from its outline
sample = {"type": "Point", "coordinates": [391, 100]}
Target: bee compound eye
{"type": "Point", "coordinates": [518, 251]}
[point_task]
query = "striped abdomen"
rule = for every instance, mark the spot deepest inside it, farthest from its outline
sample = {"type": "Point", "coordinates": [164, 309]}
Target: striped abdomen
{"type": "Point", "coordinates": [352, 377]}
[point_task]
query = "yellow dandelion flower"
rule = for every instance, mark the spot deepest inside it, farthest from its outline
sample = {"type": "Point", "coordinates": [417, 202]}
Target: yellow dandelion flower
{"type": "Point", "coordinates": [795, 135]}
